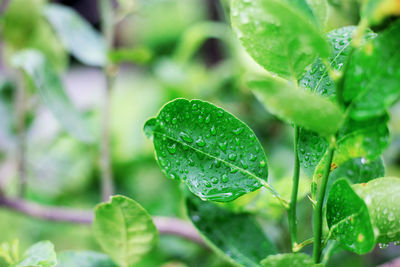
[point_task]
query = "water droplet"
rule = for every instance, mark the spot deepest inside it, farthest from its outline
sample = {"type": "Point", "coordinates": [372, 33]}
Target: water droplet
{"type": "Point", "coordinates": [208, 118]}
{"type": "Point", "coordinates": [185, 137]}
{"type": "Point", "coordinates": [224, 178]}
{"type": "Point", "coordinates": [172, 148]}
{"type": "Point", "coordinates": [174, 121]}
{"type": "Point", "coordinates": [220, 113]}
{"type": "Point", "coordinates": [238, 131]}
{"type": "Point", "coordinates": [200, 142]}
{"type": "Point", "coordinates": [222, 146]}
{"type": "Point", "coordinates": [396, 243]}
{"type": "Point", "coordinates": [214, 180]}
{"type": "Point", "coordinates": [208, 184]}
{"type": "Point", "coordinates": [213, 131]}
{"type": "Point", "coordinates": [232, 156]}
{"type": "Point", "coordinates": [262, 164]}
{"type": "Point", "coordinates": [253, 157]}
{"type": "Point", "coordinates": [200, 119]}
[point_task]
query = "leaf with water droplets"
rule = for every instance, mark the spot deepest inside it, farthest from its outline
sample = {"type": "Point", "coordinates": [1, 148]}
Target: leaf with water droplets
{"type": "Point", "coordinates": [77, 35]}
{"type": "Point", "coordinates": [289, 259]}
{"type": "Point", "coordinates": [348, 219]}
{"type": "Point", "coordinates": [211, 156]}
{"type": "Point", "coordinates": [375, 11]}
{"type": "Point", "coordinates": [124, 230]}
{"type": "Point", "coordinates": [52, 93]}
{"type": "Point", "coordinates": [236, 236]}
{"type": "Point", "coordinates": [382, 197]}
{"type": "Point", "coordinates": [372, 79]}
{"type": "Point", "coordinates": [300, 107]}
{"type": "Point", "coordinates": [277, 35]}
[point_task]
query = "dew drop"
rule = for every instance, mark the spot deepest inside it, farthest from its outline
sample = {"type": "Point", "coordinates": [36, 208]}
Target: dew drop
{"type": "Point", "coordinates": [220, 113]}
{"type": "Point", "coordinates": [238, 131]}
{"type": "Point", "coordinates": [214, 180]}
{"type": "Point", "coordinates": [208, 184]}
{"type": "Point", "coordinates": [383, 245]}
{"type": "Point", "coordinates": [253, 157]}
{"type": "Point", "coordinates": [262, 164]}
{"type": "Point", "coordinates": [232, 156]}
{"type": "Point", "coordinates": [172, 148]}
{"type": "Point", "coordinates": [208, 118]}
{"type": "Point", "coordinates": [213, 131]}
{"type": "Point", "coordinates": [222, 146]}
{"type": "Point", "coordinates": [174, 121]}
{"type": "Point", "coordinates": [224, 178]}
{"type": "Point", "coordinates": [185, 137]}
{"type": "Point", "coordinates": [200, 142]}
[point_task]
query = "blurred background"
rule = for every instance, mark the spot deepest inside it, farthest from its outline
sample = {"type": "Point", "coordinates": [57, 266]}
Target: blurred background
{"type": "Point", "coordinates": [184, 48]}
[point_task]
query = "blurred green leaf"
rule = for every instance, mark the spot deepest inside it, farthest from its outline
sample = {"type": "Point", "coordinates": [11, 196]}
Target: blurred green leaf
{"type": "Point", "coordinates": [372, 78]}
{"type": "Point", "coordinates": [124, 230]}
{"type": "Point", "coordinates": [297, 106]}
{"type": "Point", "coordinates": [10, 251]}
{"type": "Point", "coordinates": [52, 93]}
{"type": "Point", "coordinates": [320, 10]}
{"type": "Point", "coordinates": [41, 254]}
{"type": "Point", "coordinates": [292, 260]}
{"type": "Point", "coordinates": [348, 219]}
{"type": "Point", "coordinates": [78, 36]}
{"type": "Point", "coordinates": [375, 11]}
{"type": "Point", "coordinates": [138, 55]}
{"type": "Point", "coordinates": [216, 155]}
{"type": "Point", "coordinates": [382, 197]}
{"type": "Point", "coordinates": [277, 36]}
{"type": "Point", "coordinates": [236, 236]}
{"type": "Point", "coordinates": [84, 259]}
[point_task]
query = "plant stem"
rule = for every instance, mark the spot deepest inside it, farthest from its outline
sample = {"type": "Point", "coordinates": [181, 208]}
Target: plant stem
{"type": "Point", "coordinates": [165, 225]}
{"type": "Point", "coordinates": [300, 246]}
{"type": "Point", "coordinates": [21, 137]}
{"type": "Point", "coordinates": [107, 27]}
{"type": "Point", "coordinates": [318, 220]}
{"type": "Point", "coordinates": [295, 187]}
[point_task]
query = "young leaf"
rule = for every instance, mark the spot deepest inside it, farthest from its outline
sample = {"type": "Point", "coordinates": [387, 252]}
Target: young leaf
{"type": "Point", "coordinates": [84, 259]}
{"type": "Point", "coordinates": [320, 11]}
{"type": "Point", "coordinates": [51, 91]}
{"type": "Point", "coordinates": [373, 75]}
{"type": "Point", "coordinates": [124, 230]}
{"type": "Point", "coordinates": [78, 36]}
{"type": "Point", "coordinates": [236, 236]}
{"type": "Point", "coordinates": [41, 254]}
{"type": "Point", "coordinates": [278, 36]}
{"type": "Point", "coordinates": [300, 107]}
{"type": "Point", "coordinates": [292, 260]}
{"type": "Point", "coordinates": [216, 155]}
{"type": "Point", "coordinates": [375, 11]}
{"type": "Point", "coordinates": [382, 197]}
{"type": "Point", "coordinates": [348, 219]}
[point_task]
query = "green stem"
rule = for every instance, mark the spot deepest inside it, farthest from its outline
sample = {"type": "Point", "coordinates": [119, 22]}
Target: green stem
{"type": "Point", "coordinates": [275, 193]}
{"type": "Point", "coordinates": [300, 246]}
{"type": "Point", "coordinates": [107, 27]}
{"type": "Point", "coordinates": [318, 220]}
{"type": "Point", "coordinates": [295, 187]}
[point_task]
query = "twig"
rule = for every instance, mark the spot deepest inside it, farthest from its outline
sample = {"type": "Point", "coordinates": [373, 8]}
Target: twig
{"type": "Point", "coordinates": [320, 202]}
{"type": "Point", "coordinates": [165, 225]}
{"type": "Point", "coordinates": [107, 27]}
{"type": "Point", "coordinates": [292, 216]}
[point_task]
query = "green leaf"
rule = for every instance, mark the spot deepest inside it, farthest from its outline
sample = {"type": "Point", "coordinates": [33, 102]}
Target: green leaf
{"type": "Point", "coordinates": [382, 197]}
{"type": "Point", "coordinates": [358, 170]}
{"type": "Point", "coordinates": [84, 259]}
{"type": "Point", "coordinates": [320, 11]}
{"type": "Point", "coordinates": [216, 155]}
{"type": "Point", "coordinates": [41, 254]}
{"type": "Point", "coordinates": [78, 36]}
{"type": "Point", "coordinates": [317, 79]}
{"type": "Point", "coordinates": [52, 93]}
{"type": "Point", "coordinates": [124, 230]}
{"type": "Point", "coordinates": [237, 236]}
{"type": "Point", "coordinates": [348, 219]}
{"type": "Point", "coordinates": [373, 75]}
{"type": "Point", "coordinates": [278, 36]}
{"type": "Point", "coordinates": [375, 11]}
{"type": "Point", "coordinates": [290, 259]}
{"type": "Point", "coordinates": [300, 107]}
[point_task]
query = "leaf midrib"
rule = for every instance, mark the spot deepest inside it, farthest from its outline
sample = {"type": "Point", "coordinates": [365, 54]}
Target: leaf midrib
{"type": "Point", "coordinates": [262, 181]}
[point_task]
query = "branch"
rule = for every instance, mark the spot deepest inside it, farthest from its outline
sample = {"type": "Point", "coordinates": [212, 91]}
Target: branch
{"type": "Point", "coordinates": [165, 225]}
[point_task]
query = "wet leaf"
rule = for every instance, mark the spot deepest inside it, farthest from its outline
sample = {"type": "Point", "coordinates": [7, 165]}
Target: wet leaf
{"type": "Point", "coordinates": [77, 35]}
{"type": "Point", "coordinates": [292, 259]}
{"type": "Point", "coordinates": [84, 259]}
{"type": "Point", "coordinates": [236, 236]}
{"type": "Point", "coordinates": [373, 76]}
{"type": "Point", "coordinates": [124, 230]}
{"type": "Point", "coordinates": [216, 155]}
{"type": "Point", "coordinates": [382, 197]}
{"type": "Point", "coordinates": [300, 107]}
{"type": "Point", "coordinates": [41, 254]}
{"type": "Point", "coordinates": [52, 93]}
{"type": "Point", "coordinates": [278, 36]}
{"type": "Point", "coordinates": [348, 219]}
